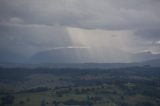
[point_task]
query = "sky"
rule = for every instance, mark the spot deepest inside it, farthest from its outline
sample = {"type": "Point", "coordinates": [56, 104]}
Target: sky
{"type": "Point", "coordinates": [79, 30]}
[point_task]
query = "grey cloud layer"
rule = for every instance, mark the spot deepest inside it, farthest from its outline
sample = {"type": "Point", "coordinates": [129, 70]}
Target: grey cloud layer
{"type": "Point", "coordinates": [30, 26]}
{"type": "Point", "coordinates": [105, 14]}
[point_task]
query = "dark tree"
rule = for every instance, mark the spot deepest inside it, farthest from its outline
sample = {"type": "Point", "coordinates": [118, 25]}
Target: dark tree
{"type": "Point", "coordinates": [9, 99]}
{"type": "Point", "coordinates": [43, 103]}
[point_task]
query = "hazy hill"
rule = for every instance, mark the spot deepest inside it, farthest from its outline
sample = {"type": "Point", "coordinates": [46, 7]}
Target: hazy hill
{"type": "Point", "coordinates": [153, 62]}
{"type": "Point", "coordinates": [71, 55]}
{"type": "Point", "coordinates": [144, 56]}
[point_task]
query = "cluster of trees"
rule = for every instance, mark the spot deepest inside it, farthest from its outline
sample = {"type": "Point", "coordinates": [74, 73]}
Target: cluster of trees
{"type": "Point", "coordinates": [7, 100]}
{"type": "Point", "coordinates": [70, 102]}
{"type": "Point", "coordinates": [35, 90]}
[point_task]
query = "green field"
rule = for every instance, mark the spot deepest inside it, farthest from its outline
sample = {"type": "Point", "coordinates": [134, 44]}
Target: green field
{"type": "Point", "coordinates": [135, 86]}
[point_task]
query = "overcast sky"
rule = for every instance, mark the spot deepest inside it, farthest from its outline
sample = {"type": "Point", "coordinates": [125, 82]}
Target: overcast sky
{"type": "Point", "coordinates": [109, 30]}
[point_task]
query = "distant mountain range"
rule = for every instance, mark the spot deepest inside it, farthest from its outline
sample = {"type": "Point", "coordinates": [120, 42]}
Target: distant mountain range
{"type": "Point", "coordinates": [9, 57]}
{"type": "Point", "coordinates": [81, 56]}
{"type": "Point", "coordinates": [154, 62]}
{"type": "Point", "coordinates": [74, 57]}
{"type": "Point", "coordinates": [144, 56]}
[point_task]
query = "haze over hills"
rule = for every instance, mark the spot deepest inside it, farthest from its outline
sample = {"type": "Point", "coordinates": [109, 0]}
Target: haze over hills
{"type": "Point", "coordinates": [145, 56]}
{"type": "Point", "coordinates": [11, 57]}
{"type": "Point", "coordinates": [66, 55]}
{"type": "Point", "coordinates": [153, 62]}
{"type": "Point", "coordinates": [70, 56]}
{"type": "Point", "coordinates": [75, 58]}
{"type": "Point", "coordinates": [79, 32]}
